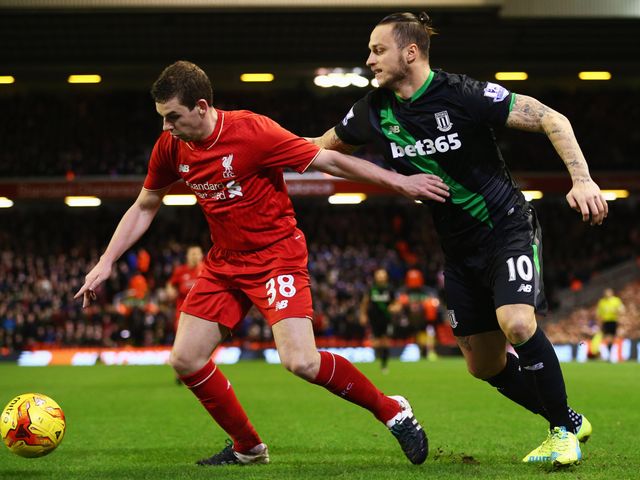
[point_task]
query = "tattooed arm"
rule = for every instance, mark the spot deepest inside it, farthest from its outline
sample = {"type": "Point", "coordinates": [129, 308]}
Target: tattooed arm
{"type": "Point", "coordinates": [585, 197]}
{"type": "Point", "coordinates": [331, 141]}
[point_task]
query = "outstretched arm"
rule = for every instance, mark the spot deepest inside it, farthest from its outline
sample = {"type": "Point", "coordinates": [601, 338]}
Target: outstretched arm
{"type": "Point", "coordinates": [331, 141]}
{"type": "Point", "coordinates": [585, 197]}
{"type": "Point", "coordinates": [420, 186]}
{"type": "Point", "coordinates": [133, 224]}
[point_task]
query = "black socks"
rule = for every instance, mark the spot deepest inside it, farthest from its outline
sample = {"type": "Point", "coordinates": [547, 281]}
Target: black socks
{"type": "Point", "coordinates": [512, 384]}
{"type": "Point", "coordinates": [541, 371]}
{"type": "Point", "coordinates": [383, 355]}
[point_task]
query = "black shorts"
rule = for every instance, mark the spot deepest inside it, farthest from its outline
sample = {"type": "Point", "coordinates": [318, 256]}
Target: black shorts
{"type": "Point", "coordinates": [380, 325]}
{"type": "Point", "coordinates": [609, 328]}
{"type": "Point", "coordinates": [506, 272]}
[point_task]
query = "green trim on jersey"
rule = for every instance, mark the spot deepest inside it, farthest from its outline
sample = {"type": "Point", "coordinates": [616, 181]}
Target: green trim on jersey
{"type": "Point", "coordinates": [418, 93]}
{"type": "Point", "coordinates": [536, 259]}
{"type": "Point", "coordinates": [512, 102]}
{"type": "Point", "coordinates": [472, 202]}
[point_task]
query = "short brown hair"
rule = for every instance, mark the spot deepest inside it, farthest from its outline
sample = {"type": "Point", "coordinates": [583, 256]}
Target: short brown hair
{"type": "Point", "coordinates": [184, 80]}
{"type": "Point", "coordinates": [409, 28]}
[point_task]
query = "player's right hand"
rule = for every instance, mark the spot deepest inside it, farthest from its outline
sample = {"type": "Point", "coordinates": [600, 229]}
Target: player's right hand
{"type": "Point", "coordinates": [586, 198]}
{"type": "Point", "coordinates": [423, 186]}
{"type": "Point", "coordinates": [94, 278]}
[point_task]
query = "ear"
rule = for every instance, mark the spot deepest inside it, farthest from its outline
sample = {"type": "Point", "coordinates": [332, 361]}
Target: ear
{"type": "Point", "coordinates": [411, 53]}
{"type": "Point", "coordinates": [202, 106]}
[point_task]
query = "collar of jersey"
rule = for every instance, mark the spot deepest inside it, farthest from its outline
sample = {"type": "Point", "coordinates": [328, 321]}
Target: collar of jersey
{"type": "Point", "coordinates": [418, 93]}
{"type": "Point", "coordinates": [212, 139]}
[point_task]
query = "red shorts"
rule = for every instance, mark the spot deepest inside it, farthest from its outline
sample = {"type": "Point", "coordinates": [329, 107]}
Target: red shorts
{"type": "Point", "coordinates": [274, 279]}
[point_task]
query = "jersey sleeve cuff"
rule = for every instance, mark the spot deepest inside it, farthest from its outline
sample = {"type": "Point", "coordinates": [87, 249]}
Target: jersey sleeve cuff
{"type": "Point", "coordinates": [312, 160]}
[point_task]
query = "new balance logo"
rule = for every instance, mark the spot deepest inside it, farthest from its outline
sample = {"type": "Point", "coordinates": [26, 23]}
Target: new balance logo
{"type": "Point", "coordinates": [533, 368]}
{"type": "Point", "coordinates": [525, 287]}
{"type": "Point", "coordinates": [183, 168]}
{"type": "Point", "coordinates": [281, 305]}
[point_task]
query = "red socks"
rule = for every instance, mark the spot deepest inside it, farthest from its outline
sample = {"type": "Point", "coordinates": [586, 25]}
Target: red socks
{"type": "Point", "coordinates": [340, 377]}
{"type": "Point", "coordinates": [336, 374]}
{"type": "Point", "coordinates": [216, 395]}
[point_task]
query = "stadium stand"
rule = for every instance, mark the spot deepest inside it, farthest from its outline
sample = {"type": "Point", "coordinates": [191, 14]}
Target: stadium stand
{"type": "Point", "coordinates": [112, 133]}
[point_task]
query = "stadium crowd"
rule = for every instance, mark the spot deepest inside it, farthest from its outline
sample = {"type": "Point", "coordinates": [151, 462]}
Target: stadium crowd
{"type": "Point", "coordinates": [582, 325]}
{"type": "Point", "coordinates": [43, 266]}
{"type": "Point", "coordinates": [113, 133]}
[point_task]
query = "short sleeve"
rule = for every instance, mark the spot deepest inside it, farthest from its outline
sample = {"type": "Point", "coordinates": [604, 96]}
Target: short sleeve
{"type": "Point", "coordinates": [355, 128]}
{"type": "Point", "coordinates": [487, 103]}
{"type": "Point", "coordinates": [175, 277]}
{"type": "Point", "coordinates": [162, 171]}
{"type": "Point", "coordinates": [280, 147]}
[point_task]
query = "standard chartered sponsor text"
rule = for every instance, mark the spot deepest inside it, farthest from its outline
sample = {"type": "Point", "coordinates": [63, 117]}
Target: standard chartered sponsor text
{"type": "Point", "coordinates": [205, 186]}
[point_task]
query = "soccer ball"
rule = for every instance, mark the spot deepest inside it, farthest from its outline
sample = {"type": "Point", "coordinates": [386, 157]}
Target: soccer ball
{"type": "Point", "coordinates": [32, 425]}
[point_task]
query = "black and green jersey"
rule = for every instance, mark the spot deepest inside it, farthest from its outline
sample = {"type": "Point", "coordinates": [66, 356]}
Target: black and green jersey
{"type": "Point", "coordinates": [380, 297]}
{"type": "Point", "coordinates": [445, 129]}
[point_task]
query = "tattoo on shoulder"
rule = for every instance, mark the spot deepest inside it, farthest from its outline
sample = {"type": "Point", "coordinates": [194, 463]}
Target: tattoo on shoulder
{"type": "Point", "coordinates": [527, 113]}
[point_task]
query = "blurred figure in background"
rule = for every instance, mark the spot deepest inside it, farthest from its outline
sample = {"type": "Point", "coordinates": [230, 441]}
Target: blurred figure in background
{"type": "Point", "coordinates": [183, 278]}
{"type": "Point", "coordinates": [375, 311]}
{"type": "Point", "coordinates": [608, 311]}
{"type": "Point", "coordinates": [420, 306]}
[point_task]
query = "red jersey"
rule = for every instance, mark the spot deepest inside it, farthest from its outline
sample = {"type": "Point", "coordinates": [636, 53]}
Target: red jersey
{"type": "Point", "coordinates": [236, 175]}
{"type": "Point", "coordinates": [183, 279]}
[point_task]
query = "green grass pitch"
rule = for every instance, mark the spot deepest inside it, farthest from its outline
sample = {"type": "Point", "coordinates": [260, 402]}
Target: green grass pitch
{"type": "Point", "coordinates": [135, 423]}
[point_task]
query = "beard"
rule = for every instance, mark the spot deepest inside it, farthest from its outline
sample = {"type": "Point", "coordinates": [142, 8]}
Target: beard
{"type": "Point", "coordinates": [396, 76]}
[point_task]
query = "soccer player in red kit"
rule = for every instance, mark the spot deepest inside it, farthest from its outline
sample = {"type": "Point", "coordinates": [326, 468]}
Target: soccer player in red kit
{"type": "Point", "coordinates": [233, 161]}
{"type": "Point", "coordinates": [183, 278]}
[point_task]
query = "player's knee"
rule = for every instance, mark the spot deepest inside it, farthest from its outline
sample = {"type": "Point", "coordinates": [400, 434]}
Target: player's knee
{"type": "Point", "coordinates": [183, 363]}
{"type": "Point", "coordinates": [305, 367]}
{"type": "Point", "coordinates": [520, 329]}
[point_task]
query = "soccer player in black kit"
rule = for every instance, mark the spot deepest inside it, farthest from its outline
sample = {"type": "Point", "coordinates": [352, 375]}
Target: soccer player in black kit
{"type": "Point", "coordinates": [426, 120]}
{"type": "Point", "coordinates": [375, 310]}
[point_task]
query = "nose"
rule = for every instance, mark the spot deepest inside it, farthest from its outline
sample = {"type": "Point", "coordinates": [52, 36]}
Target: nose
{"type": "Point", "coordinates": [166, 125]}
{"type": "Point", "coordinates": [371, 60]}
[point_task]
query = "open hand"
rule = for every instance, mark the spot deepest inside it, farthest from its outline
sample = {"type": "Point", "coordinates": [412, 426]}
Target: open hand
{"type": "Point", "coordinates": [424, 186]}
{"type": "Point", "coordinates": [586, 198]}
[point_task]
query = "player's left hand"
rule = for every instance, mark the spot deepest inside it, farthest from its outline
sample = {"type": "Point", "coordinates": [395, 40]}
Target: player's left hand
{"type": "Point", "coordinates": [424, 186]}
{"type": "Point", "coordinates": [586, 198]}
